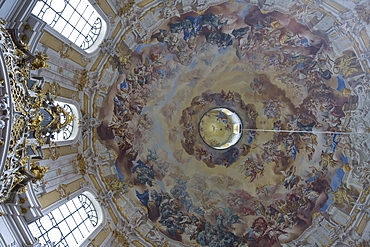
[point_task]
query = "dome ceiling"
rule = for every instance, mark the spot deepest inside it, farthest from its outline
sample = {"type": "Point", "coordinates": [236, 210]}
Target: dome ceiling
{"type": "Point", "coordinates": [296, 97]}
{"type": "Point", "coordinates": [219, 128]}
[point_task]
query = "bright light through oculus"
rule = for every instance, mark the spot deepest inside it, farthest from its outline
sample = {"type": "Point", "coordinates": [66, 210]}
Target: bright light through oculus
{"type": "Point", "coordinates": [220, 128]}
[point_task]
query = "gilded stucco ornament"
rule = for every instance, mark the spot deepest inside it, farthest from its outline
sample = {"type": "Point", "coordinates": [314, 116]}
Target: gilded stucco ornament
{"type": "Point", "coordinates": [120, 239]}
{"type": "Point", "coordinates": [124, 60]}
{"type": "Point", "coordinates": [24, 210]}
{"type": "Point", "coordinates": [347, 65]}
{"type": "Point", "coordinates": [28, 117]}
{"type": "Point", "coordinates": [362, 243]}
{"type": "Point", "coordinates": [65, 52]}
{"type": "Point", "coordinates": [116, 185]}
{"type": "Point", "coordinates": [44, 100]}
{"type": "Point", "coordinates": [344, 195]}
{"type": "Point", "coordinates": [83, 165]}
{"type": "Point", "coordinates": [38, 171]}
{"type": "Point", "coordinates": [81, 79]}
{"type": "Point", "coordinates": [12, 170]}
{"type": "Point", "coordinates": [125, 6]}
{"type": "Point", "coordinates": [55, 88]}
{"type": "Point", "coordinates": [54, 151]}
{"type": "Point", "coordinates": [104, 197]}
{"type": "Point", "coordinates": [40, 61]}
{"type": "Point", "coordinates": [63, 192]}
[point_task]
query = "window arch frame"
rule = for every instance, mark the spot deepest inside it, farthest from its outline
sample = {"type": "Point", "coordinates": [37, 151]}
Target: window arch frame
{"type": "Point", "coordinates": [76, 132]}
{"type": "Point", "coordinates": [70, 127]}
{"type": "Point", "coordinates": [91, 195]}
{"type": "Point", "coordinates": [94, 48]}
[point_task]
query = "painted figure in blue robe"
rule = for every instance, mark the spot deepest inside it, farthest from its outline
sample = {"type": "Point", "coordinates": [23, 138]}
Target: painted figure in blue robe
{"type": "Point", "coordinates": [293, 151]}
{"type": "Point", "coordinates": [334, 143]}
{"type": "Point", "coordinates": [123, 85]}
{"type": "Point", "coordinates": [222, 116]}
{"type": "Point", "coordinates": [144, 197]}
{"type": "Point", "coordinates": [305, 128]}
{"type": "Point", "coordinates": [195, 29]}
{"type": "Point", "coordinates": [231, 155]}
{"type": "Point", "coordinates": [252, 135]}
{"type": "Point", "coordinates": [145, 174]}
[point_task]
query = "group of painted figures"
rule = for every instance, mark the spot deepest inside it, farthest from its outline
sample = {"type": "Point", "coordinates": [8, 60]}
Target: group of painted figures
{"type": "Point", "coordinates": [302, 66]}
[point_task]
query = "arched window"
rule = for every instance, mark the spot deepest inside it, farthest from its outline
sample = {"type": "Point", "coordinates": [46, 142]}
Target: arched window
{"type": "Point", "coordinates": [65, 133]}
{"type": "Point", "coordinates": [76, 20]}
{"type": "Point", "coordinates": [69, 131]}
{"type": "Point", "coordinates": [69, 224]}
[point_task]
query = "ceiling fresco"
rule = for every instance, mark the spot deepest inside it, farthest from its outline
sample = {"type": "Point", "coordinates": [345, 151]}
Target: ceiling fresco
{"type": "Point", "coordinates": [291, 93]}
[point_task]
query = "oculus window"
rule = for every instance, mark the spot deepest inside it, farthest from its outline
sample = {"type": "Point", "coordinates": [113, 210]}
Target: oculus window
{"type": "Point", "coordinates": [76, 20]}
{"type": "Point", "coordinates": [68, 225]}
{"type": "Point", "coordinates": [220, 128]}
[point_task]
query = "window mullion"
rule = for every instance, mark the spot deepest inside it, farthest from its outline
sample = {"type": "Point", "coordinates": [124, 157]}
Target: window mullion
{"type": "Point", "coordinates": [69, 215]}
{"type": "Point", "coordinates": [76, 10]}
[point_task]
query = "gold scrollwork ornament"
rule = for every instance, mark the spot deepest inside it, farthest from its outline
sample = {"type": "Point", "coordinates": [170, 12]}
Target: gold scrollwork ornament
{"type": "Point", "coordinates": [38, 171]}
{"type": "Point", "coordinates": [40, 61]}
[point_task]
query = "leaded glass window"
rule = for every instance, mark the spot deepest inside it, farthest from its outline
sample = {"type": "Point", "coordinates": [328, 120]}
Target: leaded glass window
{"type": "Point", "coordinates": [77, 20]}
{"type": "Point", "coordinates": [68, 225]}
{"type": "Point", "coordinates": [65, 133]}
{"type": "Point", "coordinates": [69, 127]}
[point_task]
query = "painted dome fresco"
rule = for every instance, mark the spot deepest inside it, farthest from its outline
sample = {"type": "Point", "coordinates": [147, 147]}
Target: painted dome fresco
{"type": "Point", "coordinates": [235, 126]}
